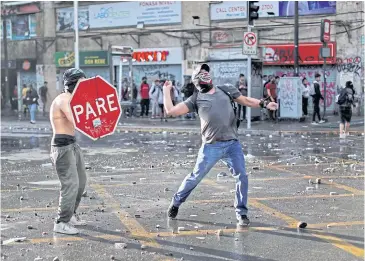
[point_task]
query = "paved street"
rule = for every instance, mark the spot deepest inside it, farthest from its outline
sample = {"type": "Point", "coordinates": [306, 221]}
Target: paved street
{"type": "Point", "coordinates": [133, 175]}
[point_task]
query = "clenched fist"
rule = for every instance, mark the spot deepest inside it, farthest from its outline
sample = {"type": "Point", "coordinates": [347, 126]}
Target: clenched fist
{"type": "Point", "coordinates": [167, 86]}
{"type": "Point", "coordinates": [273, 106]}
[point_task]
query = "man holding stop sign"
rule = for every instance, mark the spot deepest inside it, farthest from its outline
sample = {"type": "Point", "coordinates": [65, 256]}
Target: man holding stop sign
{"type": "Point", "coordinates": [92, 107]}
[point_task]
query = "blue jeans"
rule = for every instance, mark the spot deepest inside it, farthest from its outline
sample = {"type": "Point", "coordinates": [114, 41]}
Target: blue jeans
{"type": "Point", "coordinates": [230, 152]}
{"type": "Point", "coordinates": [32, 111]}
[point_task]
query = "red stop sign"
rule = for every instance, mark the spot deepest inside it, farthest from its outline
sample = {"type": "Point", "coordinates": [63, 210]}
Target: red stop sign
{"type": "Point", "coordinates": [95, 107]}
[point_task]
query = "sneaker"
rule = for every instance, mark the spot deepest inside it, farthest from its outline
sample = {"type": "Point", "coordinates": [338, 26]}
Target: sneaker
{"type": "Point", "coordinates": [321, 121]}
{"type": "Point", "coordinates": [243, 220]}
{"type": "Point", "coordinates": [32, 122]}
{"type": "Point", "coordinates": [65, 228]}
{"type": "Point", "coordinates": [172, 211]}
{"type": "Point", "coordinates": [342, 135]}
{"type": "Point", "coordinates": [76, 221]}
{"type": "Point", "coordinates": [347, 133]}
{"type": "Point", "coordinates": [314, 123]}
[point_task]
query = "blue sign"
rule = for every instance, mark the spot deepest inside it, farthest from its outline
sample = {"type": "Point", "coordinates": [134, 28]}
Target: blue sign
{"type": "Point", "coordinates": [286, 8]}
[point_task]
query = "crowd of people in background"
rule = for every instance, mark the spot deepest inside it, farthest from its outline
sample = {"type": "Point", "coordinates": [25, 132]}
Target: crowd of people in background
{"type": "Point", "coordinates": [151, 98]}
{"type": "Point", "coordinates": [152, 104]}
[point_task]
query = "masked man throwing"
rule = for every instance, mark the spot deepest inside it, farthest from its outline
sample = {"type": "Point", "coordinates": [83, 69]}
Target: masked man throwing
{"type": "Point", "coordinates": [67, 156]}
{"type": "Point", "coordinates": [219, 135]}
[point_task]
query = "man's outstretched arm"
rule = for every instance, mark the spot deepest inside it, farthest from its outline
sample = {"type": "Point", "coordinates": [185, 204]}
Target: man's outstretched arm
{"type": "Point", "coordinates": [255, 103]}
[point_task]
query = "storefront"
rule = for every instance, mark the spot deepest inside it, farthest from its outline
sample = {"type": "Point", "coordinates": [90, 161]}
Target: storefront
{"type": "Point", "coordinates": [154, 63]}
{"type": "Point", "coordinates": [226, 66]}
{"type": "Point", "coordinates": [279, 60]}
{"type": "Point", "coordinates": [93, 63]}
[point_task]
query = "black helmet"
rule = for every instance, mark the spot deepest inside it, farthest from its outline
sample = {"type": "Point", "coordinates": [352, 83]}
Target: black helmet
{"type": "Point", "coordinates": [71, 77]}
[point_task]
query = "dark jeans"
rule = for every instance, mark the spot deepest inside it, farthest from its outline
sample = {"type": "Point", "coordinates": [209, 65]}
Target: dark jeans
{"type": "Point", "coordinates": [316, 109]}
{"type": "Point", "coordinates": [230, 152]}
{"type": "Point", "coordinates": [273, 114]}
{"type": "Point", "coordinates": [305, 106]}
{"type": "Point", "coordinates": [243, 112]}
{"type": "Point", "coordinates": [44, 101]}
{"type": "Point", "coordinates": [145, 106]}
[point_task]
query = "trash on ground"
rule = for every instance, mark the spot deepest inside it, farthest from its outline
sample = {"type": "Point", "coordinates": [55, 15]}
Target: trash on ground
{"type": "Point", "coordinates": [301, 224]}
{"type": "Point", "coordinates": [12, 240]}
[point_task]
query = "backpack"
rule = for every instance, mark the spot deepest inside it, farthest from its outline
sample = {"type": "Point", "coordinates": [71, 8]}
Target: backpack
{"type": "Point", "coordinates": [188, 90]}
{"type": "Point", "coordinates": [344, 99]}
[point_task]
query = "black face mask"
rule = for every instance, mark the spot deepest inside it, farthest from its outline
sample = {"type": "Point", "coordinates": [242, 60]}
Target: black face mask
{"type": "Point", "coordinates": [204, 88]}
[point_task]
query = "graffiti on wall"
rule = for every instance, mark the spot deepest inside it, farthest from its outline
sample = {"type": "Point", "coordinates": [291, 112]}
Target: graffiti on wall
{"type": "Point", "coordinates": [351, 68]}
{"type": "Point", "coordinates": [350, 65]}
{"type": "Point", "coordinates": [309, 71]}
{"type": "Point", "coordinates": [28, 78]}
{"type": "Point", "coordinates": [220, 37]}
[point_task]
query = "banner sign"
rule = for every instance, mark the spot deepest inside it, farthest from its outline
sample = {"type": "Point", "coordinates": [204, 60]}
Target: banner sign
{"type": "Point", "coordinates": [228, 10]}
{"type": "Point", "coordinates": [154, 56]}
{"type": "Point", "coordinates": [87, 59]}
{"type": "Point", "coordinates": [286, 8]}
{"type": "Point", "coordinates": [130, 13]}
{"type": "Point", "coordinates": [21, 28]}
{"type": "Point", "coordinates": [309, 53]}
{"type": "Point", "coordinates": [65, 19]}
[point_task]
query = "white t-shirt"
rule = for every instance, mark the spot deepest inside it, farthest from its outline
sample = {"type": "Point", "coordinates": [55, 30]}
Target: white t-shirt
{"type": "Point", "coordinates": [305, 91]}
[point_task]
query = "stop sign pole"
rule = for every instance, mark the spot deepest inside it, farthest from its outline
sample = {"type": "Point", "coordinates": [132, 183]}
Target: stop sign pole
{"type": "Point", "coordinates": [95, 107]}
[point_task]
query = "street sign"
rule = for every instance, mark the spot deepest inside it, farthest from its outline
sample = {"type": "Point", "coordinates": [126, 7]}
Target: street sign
{"type": "Point", "coordinates": [249, 43]}
{"type": "Point", "coordinates": [121, 50]}
{"type": "Point", "coordinates": [95, 107]}
{"type": "Point", "coordinates": [325, 30]}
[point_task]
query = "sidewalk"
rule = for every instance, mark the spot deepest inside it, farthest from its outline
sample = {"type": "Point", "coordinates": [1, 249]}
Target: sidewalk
{"type": "Point", "coordinates": [258, 128]}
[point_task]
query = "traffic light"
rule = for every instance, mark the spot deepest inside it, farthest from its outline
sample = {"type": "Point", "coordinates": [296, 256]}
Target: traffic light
{"type": "Point", "coordinates": [253, 10]}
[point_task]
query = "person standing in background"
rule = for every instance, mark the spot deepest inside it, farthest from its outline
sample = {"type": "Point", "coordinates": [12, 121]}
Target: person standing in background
{"type": "Point", "coordinates": [346, 101]}
{"type": "Point", "coordinates": [271, 93]}
{"type": "Point", "coordinates": [305, 96]}
{"type": "Point", "coordinates": [32, 101]}
{"type": "Point", "coordinates": [134, 100]}
{"type": "Point", "coordinates": [24, 95]}
{"type": "Point", "coordinates": [14, 99]}
{"type": "Point", "coordinates": [264, 79]}
{"type": "Point", "coordinates": [241, 85]}
{"type": "Point", "coordinates": [43, 93]}
{"type": "Point", "coordinates": [145, 97]}
{"type": "Point", "coordinates": [160, 101]}
{"type": "Point", "coordinates": [153, 95]}
{"type": "Point", "coordinates": [317, 96]}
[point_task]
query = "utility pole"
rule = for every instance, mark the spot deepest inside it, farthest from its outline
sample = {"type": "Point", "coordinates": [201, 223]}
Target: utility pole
{"type": "Point", "coordinates": [76, 28]}
{"type": "Point", "coordinates": [325, 53]}
{"type": "Point", "coordinates": [296, 40]}
{"type": "Point", "coordinates": [6, 13]}
{"type": "Point", "coordinates": [252, 14]}
{"type": "Point", "coordinates": [7, 90]}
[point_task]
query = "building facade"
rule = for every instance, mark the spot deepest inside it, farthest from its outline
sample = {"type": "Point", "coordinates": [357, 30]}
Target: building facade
{"type": "Point", "coordinates": [167, 40]}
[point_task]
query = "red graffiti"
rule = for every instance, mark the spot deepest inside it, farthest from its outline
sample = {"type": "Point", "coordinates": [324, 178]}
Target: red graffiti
{"type": "Point", "coordinates": [221, 36]}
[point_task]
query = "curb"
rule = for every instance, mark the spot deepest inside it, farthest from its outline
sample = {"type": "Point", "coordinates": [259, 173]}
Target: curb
{"type": "Point", "coordinates": [194, 130]}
